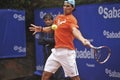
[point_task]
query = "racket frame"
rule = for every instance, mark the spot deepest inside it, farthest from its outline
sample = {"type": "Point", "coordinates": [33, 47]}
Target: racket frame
{"type": "Point", "coordinates": [95, 52]}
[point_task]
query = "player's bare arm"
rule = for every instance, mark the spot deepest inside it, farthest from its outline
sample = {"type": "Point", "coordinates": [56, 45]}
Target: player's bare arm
{"type": "Point", "coordinates": [36, 29]}
{"type": "Point", "coordinates": [77, 34]}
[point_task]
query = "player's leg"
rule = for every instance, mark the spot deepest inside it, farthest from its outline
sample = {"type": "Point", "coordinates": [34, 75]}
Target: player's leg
{"type": "Point", "coordinates": [51, 66]}
{"type": "Point", "coordinates": [46, 75]}
{"type": "Point", "coordinates": [75, 78]}
{"type": "Point", "coordinates": [69, 65]}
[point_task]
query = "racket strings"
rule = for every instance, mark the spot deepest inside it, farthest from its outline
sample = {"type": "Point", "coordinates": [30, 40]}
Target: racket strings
{"type": "Point", "coordinates": [98, 55]}
{"type": "Point", "coordinates": [101, 54]}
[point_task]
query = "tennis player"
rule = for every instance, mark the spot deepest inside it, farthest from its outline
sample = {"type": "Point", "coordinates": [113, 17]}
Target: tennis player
{"type": "Point", "coordinates": [64, 52]}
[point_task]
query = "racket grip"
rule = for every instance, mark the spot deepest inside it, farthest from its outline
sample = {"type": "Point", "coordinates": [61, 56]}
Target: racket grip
{"type": "Point", "coordinates": [89, 44]}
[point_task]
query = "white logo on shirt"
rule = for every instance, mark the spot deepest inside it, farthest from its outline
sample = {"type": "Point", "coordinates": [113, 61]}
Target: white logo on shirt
{"type": "Point", "coordinates": [59, 22]}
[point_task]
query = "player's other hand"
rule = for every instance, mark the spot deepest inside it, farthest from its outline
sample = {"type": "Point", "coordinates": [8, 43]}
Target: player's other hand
{"type": "Point", "coordinates": [87, 43]}
{"type": "Point", "coordinates": [35, 28]}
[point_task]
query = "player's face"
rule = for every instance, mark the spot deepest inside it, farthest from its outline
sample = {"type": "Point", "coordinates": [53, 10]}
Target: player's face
{"type": "Point", "coordinates": [68, 8]}
{"type": "Point", "coordinates": [48, 21]}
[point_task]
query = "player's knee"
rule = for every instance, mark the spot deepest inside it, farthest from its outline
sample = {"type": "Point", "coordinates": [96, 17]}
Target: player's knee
{"type": "Point", "coordinates": [75, 78]}
{"type": "Point", "coordinates": [46, 75]}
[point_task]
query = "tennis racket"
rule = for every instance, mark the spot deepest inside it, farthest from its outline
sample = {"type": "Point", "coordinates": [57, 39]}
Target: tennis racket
{"type": "Point", "coordinates": [101, 53]}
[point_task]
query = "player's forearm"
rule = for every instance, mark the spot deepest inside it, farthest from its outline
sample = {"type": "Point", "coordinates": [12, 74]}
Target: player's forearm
{"type": "Point", "coordinates": [77, 34]}
{"type": "Point", "coordinates": [46, 29]}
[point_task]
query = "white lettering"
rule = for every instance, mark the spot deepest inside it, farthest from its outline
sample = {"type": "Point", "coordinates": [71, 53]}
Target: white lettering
{"type": "Point", "coordinates": [112, 73]}
{"type": "Point", "coordinates": [19, 48]}
{"type": "Point", "coordinates": [112, 34]}
{"type": "Point", "coordinates": [109, 13]}
{"type": "Point", "coordinates": [90, 65]}
{"type": "Point", "coordinates": [19, 17]}
{"type": "Point", "coordinates": [87, 54]}
{"type": "Point", "coordinates": [42, 14]}
{"type": "Point", "coordinates": [61, 22]}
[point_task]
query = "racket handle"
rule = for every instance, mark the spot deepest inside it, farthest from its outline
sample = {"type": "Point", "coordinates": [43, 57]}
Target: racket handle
{"type": "Point", "coordinates": [89, 44]}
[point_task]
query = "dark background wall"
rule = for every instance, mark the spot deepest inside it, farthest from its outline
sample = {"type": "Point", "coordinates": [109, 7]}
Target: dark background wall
{"type": "Point", "coordinates": [12, 68]}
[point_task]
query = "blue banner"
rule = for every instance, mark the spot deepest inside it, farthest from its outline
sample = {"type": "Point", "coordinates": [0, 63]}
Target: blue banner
{"type": "Point", "coordinates": [12, 33]}
{"type": "Point", "coordinates": [100, 23]}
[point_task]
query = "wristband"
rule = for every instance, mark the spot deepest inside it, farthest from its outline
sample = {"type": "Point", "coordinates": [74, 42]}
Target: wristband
{"type": "Point", "coordinates": [41, 29]}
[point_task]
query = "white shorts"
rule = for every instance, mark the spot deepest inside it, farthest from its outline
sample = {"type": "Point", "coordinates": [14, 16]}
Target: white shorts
{"type": "Point", "coordinates": [62, 57]}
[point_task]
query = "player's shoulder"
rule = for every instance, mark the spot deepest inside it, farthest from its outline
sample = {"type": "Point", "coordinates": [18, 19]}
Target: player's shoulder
{"type": "Point", "coordinates": [73, 18]}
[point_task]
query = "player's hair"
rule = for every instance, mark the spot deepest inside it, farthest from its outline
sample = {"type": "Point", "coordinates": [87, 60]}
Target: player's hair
{"type": "Point", "coordinates": [48, 15]}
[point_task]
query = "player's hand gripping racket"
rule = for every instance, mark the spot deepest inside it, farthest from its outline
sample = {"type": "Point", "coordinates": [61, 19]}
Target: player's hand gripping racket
{"type": "Point", "coordinates": [101, 53]}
